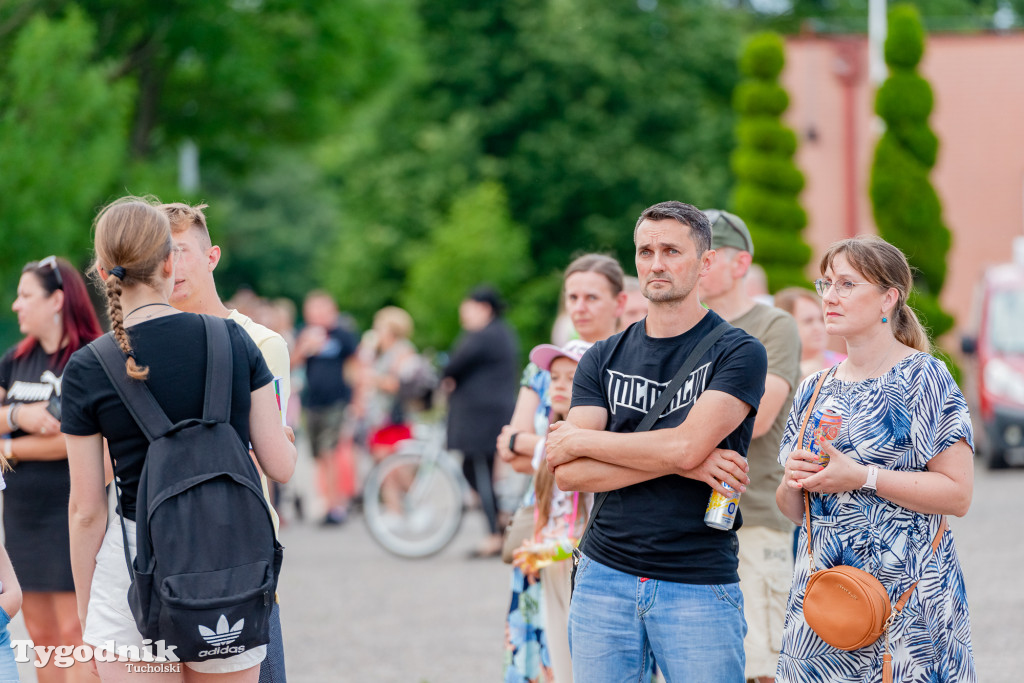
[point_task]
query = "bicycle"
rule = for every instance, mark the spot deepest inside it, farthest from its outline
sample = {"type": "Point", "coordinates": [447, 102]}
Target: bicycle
{"type": "Point", "coordinates": [413, 500]}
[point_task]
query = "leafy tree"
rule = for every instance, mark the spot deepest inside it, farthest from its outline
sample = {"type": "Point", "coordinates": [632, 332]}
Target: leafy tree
{"type": "Point", "coordinates": [476, 243]}
{"type": "Point", "coordinates": [238, 75]}
{"type": "Point", "coordinates": [906, 207]}
{"type": "Point", "coordinates": [271, 224]}
{"type": "Point", "coordinates": [63, 133]}
{"type": "Point", "coordinates": [242, 79]}
{"type": "Point", "coordinates": [584, 113]}
{"type": "Point", "coordinates": [768, 182]}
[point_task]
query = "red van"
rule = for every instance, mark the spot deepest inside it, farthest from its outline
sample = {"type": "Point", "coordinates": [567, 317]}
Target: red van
{"type": "Point", "coordinates": [994, 373]}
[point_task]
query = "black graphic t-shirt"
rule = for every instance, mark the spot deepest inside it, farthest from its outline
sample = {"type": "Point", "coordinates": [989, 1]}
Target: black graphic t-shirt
{"type": "Point", "coordinates": [32, 378]}
{"type": "Point", "coordinates": [29, 379]}
{"type": "Point", "coordinates": [656, 528]}
{"type": "Point", "coordinates": [35, 518]}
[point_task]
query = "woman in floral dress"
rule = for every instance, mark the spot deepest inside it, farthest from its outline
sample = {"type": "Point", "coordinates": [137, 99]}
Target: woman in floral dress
{"type": "Point", "coordinates": [902, 460]}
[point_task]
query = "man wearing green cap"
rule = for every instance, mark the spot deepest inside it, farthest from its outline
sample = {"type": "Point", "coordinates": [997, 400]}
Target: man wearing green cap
{"type": "Point", "coordinates": [766, 564]}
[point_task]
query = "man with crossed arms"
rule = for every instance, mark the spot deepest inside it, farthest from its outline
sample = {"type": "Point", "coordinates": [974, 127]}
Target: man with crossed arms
{"type": "Point", "coordinates": [655, 582]}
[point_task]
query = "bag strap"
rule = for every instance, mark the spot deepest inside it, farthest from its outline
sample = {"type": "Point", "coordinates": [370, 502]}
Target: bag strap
{"type": "Point", "coordinates": [663, 400]}
{"type": "Point", "coordinates": [219, 367]}
{"type": "Point", "coordinates": [138, 400]}
{"type": "Point", "coordinates": [135, 395]}
{"type": "Point", "coordinates": [902, 602]}
{"type": "Point", "coordinates": [799, 444]}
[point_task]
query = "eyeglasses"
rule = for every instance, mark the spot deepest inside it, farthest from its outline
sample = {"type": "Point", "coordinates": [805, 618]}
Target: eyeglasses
{"type": "Point", "coordinates": [713, 216]}
{"type": "Point", "coordinates": [51, 263]}
{"type": "Point", "coordinates": [843, 287]}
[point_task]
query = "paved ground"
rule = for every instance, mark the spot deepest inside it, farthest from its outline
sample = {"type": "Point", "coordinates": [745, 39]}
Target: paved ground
{"type": "Point", "coordinates": [352, 613]}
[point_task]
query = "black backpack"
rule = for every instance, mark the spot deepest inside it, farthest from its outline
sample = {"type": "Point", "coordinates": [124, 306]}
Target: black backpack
{"type": "Point", "coordinates": [207, 562]}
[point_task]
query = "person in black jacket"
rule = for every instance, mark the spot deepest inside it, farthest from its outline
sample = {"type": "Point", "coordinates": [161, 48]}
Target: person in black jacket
{"type": "Point", "coordinates": [483, 373]}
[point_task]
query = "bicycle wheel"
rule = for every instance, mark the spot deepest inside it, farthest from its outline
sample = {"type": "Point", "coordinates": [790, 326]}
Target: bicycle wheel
{"type": "Point", "coordinates": [412, 503]}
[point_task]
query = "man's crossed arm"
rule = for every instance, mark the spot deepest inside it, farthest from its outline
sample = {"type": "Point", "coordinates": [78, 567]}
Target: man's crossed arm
{"type": "Point", "coordinates": [584, 457]}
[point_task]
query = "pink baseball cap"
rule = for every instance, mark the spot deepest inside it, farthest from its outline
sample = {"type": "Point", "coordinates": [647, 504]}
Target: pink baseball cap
{"type": "Point", "coordinates": [543, 354]}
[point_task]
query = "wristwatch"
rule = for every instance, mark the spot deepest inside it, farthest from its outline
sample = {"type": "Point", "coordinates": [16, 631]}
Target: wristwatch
{"type": "Point", "coordinates": [870, 484]}
{"type": "Point", "coordinates": [512, 442]}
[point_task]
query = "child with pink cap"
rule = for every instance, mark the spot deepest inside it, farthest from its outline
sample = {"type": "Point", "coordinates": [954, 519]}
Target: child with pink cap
{"type": "Point", "coordinates": [543, 563]}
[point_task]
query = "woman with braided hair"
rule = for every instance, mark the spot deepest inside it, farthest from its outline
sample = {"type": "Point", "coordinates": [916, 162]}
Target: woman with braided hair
{"type": "Point", "coordinates": [166, 349]}
{"type": "Point", "coordinates": [57, 319]}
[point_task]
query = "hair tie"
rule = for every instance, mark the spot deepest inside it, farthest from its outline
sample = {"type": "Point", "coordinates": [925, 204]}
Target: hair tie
{"type": "Point", "coordinates": [119, 272]}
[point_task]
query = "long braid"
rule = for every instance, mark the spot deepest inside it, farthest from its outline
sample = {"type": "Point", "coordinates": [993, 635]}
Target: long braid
{"type": "Point", "coordinates": [116, 315]}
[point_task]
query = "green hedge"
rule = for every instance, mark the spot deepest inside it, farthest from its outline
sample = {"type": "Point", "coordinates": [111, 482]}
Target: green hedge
{"type": "Point", "coordinates": [768, 183]}
{"type": "Point", "coordinates": [907, 209]}
{"type": "Point", "coordinates": [904, 97]}
{"type": "Point", "coordinates": [904, 42]}
{"type": "Point", "coordinates": [764, 134]}
{"type": "Point", "coordinates": [763, 56]}
{"type": "Point", "coordinates": [753, 98]}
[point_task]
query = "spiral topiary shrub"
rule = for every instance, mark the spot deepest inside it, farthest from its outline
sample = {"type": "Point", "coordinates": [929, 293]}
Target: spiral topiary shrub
{"type": "Point", "coordinates": [906, 207]}
{"type": "Point", "coordinates": [768, 183]}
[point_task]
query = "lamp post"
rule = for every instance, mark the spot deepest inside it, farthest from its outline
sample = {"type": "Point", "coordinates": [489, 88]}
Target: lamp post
{"type": "Point", "coordinates": [877, 28]}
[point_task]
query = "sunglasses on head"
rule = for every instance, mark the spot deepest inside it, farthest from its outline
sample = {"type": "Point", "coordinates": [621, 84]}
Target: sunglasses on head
{"type": "Point", "coordinates": [51, 263]}
{"type": "Point", "coordinates": [713, 216]}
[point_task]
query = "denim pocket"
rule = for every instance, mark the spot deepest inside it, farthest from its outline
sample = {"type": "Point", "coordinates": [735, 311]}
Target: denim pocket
{"type": "Point", "coordinates": [579, 570]}
{"type": "Point", "coordinates": [729, 593]}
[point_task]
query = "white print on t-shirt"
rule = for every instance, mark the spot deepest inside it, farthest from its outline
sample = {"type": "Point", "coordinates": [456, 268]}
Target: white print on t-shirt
{"type": "Point", "coordinates": [639, 393]}
{"type": "Point", "coordinates": [29, 392]}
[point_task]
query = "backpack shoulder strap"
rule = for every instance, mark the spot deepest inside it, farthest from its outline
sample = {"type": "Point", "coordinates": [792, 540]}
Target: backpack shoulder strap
{"type": "Point", "coordinates": [219, 370]}
{"type": "Point", "coordinates": [684, 372]}
{"type": "Point", "coordinates": [135, 395]}
{"type": "Point", "coordinates": [138, 401]}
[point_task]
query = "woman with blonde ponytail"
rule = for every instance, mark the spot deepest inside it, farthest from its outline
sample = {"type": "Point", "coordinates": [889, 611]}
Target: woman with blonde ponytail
{"type": "Point", "coordinates": [902, 460]}
{"type": "Point", "coordinates": [135, 261]}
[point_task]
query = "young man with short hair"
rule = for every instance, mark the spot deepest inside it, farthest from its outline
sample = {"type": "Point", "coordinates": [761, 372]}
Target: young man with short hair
{"type": "Point", "coordinates": [195, 291]}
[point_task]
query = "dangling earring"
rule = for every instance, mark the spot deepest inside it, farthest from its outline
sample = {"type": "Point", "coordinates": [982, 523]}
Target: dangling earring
{"type": "Point", "coordinates": [884, 320]}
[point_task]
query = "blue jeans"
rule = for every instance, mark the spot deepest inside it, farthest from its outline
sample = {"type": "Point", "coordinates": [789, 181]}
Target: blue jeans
{"type": "Point", "coordinates": [619, 624]}
{"type": "Point", "coordinates": [272, 668]}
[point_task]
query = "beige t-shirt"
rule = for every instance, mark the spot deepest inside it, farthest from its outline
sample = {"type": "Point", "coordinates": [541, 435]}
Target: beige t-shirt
{"type": "Point", "coordinates": [275, 353]}
{"type": "Point", "coordinates": [777, 331]}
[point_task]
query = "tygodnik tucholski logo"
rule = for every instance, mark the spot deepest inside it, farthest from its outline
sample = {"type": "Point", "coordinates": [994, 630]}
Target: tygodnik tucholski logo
{"type": "Point", "coordinates": [222, 638]}
{"type": "Point", "coordinates": [152, 654]}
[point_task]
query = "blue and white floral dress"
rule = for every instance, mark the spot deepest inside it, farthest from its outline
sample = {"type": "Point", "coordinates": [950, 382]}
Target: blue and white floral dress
{"type": "Point", "coordinates": [526, 644]}
{"type": "Point", "coordinates": [898, 421]}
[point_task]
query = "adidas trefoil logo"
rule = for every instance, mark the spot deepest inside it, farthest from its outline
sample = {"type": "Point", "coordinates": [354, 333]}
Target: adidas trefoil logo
{"type": "Point", "coordinates": [222, 637]}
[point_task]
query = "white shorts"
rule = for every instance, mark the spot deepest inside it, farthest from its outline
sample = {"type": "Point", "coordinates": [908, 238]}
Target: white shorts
{"type": "Point", "coordinates": [110, 619]}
